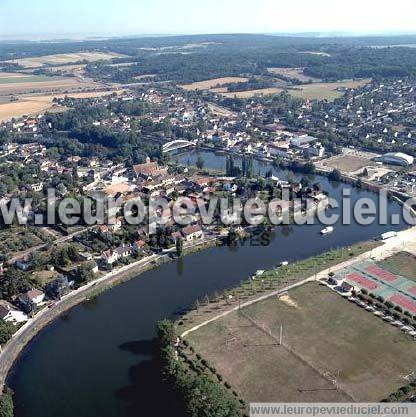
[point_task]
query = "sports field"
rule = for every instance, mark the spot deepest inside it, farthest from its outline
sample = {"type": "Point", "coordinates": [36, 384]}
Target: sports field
{"type": "Point", "coordinates": [386, 279]}
{"type": "Point", "coordinates": [332, 350]}
{"type": "Point", "coordinates": [348, 163]}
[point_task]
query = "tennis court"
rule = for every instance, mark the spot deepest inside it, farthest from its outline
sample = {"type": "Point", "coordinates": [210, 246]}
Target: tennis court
{"type": "Point", "coordinates": [375, 279]}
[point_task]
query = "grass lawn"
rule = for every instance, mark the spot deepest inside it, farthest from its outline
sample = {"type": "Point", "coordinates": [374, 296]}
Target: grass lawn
{"type": "Point", "coordinates": [324, 337]}
{"type": "Point", "coordinates": [274, 279]}
{"type": "Point", "coordinates": [349, 163]}
{"type": "Point", "coordinates": [402, 263]}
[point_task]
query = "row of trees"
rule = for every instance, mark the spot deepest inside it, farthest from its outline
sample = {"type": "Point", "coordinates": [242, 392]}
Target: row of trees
{"type": "Point", "coordinates": [200, 395]}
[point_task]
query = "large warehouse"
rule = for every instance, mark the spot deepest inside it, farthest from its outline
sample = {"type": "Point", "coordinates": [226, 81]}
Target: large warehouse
{"type": "Point", "coordinates": [396, 158]}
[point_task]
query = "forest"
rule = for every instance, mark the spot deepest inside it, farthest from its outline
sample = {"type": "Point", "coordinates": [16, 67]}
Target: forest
{"type": "Point", "coordinates": [184, 59]}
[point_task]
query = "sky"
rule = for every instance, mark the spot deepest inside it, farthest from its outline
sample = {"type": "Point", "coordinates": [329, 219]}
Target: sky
{"type": "Point", "coordinates": [46, 18]}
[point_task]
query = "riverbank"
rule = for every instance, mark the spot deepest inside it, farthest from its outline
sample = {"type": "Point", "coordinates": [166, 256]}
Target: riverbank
{"type": "Point", "coordinates": [374, 252]}
{"type": "Point", "coordinates": [104, 343]}
{"type": "Point", "coordinates": [33, 326]}
{"type": "Point", "coordinates": [12, 349]}
{"type": "Point", "coordinates": [236, 343]}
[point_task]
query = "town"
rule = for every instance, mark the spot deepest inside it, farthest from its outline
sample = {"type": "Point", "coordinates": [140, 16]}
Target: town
{"type": "Point", "coordinates": [123, 133]}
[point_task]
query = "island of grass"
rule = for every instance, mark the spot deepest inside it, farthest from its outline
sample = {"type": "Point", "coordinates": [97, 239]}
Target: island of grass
{"type": "Point", "coordinates": [331, 349]}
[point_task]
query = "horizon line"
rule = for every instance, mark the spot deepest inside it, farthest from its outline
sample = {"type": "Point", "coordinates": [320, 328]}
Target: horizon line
{"type": "Point", "coordinates": [74, 36]}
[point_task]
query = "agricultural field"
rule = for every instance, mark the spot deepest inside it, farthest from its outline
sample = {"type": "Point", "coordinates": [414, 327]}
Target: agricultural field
{"type": "Point", "coordinates": [47, 84]}
{"type": "Point", "coordinates": [293, 73]}
{"type": "Point", "coordinates": [325, 91]}
{"type": "Point", "coordinates": [67, 68]}
{"type": "Point", "coordinates": [144, 76]}
{"type": "Point", "coordinates": [253, 93]}
{"type": "Point", "coordinates": [16, 78]}
{"type": "Point", "coordinates": [318, 53]}
{"type": "Point", "coordinates": [313, 91]}
{"type": "Point", "coordinates": [331, 349]}
{"type": "Point", "coordinates": [62, 59]}
{"type": "Point", "coordinates": [215, 82]}
{"type": "Point", "coordinates": [31, 105]}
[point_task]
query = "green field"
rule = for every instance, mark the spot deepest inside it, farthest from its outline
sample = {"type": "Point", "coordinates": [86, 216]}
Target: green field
{"type": "Point", "coordinates": [325, 338]}
{"type": "Point", "coordinates": [24, 79]}
{"type": "Point", "coordinates": [402, 263]}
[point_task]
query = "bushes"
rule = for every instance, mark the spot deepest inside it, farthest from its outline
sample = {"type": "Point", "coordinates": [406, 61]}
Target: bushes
{"type": "Point", "coordinates": [6, 404]}
{"type": "Point", "coordinates": [6, 332]}
{"type": "Point", "coordinates": [403, 394]}
{"type": "Point", "coordinates": [200, 394]}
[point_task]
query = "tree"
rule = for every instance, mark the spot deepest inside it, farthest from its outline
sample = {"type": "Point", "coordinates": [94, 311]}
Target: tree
{"type": "Point", "coordinates": [166, 333]}
{"type": "Point", "coordinates": [14, 282]}
{"type": "Point", "coordinates": [6, 404]}
{"type": "Point", "coordinates": [6, 331]}
{"type": "Point", "coordinates": [335, 175]}
{"type": "Point", "coordinates": [204, 397]}
{"type": "Point", "coordinates": [179, 246]}
{"type": "Point", "coordinates": [200, 162]}
{"type": "Point", "coordinates": [83, 274]}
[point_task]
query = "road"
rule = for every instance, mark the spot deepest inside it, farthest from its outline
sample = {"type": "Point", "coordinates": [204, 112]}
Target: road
{"type": "Point", "coordinates": [405, 240]}
{"type": "Point", "coordinates": [23, 336]}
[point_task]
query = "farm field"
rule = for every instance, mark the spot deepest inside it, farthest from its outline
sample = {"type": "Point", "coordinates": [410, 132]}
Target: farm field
{"type": "Point", "coordinates": [294, 73]}
{"type": "Point", "coordinates": [13, 78]}
{"type": "Point", "coordinates": [253, 93]}
{"type": "Point", "coordinates": [68, 68]}
{"type": "Point", "coordinates": [325, 338]}
{"type": "Point", "coordinates": [61, 59]}
{"type": "Point", "coordinates": [215, 82]}
{"type": "Point", "coordinates": [313, 91]}
{"type": "Point", "coordinates": [144, 76]}
{"type": "Point", "coordinates": [325, 91]}
{"type": "Point", "coordinates": [31, 105]}
{"type": "Point", "coordinates": [48, 84]}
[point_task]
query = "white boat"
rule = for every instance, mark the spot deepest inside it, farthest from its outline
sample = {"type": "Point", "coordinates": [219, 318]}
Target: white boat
{"type": "Point", "coordinates": [327, 230]}
{"type": "Point", "coordinates": [284, 263]}
{"type": "Point", "coordinates": [388, 235]}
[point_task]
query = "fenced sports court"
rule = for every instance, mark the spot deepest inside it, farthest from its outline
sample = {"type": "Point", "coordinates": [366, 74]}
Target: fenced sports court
{"type": "Point", "coordinates": [399, 290]}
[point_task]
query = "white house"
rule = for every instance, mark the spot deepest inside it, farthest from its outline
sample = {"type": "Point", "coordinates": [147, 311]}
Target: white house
{"type": "Point", "coordinates": [192, 232]}
{"type": "Point", "coordinates": [110, 257]}
{"type": "Point", "coordinates": [37, 187]}
{"type": "Point", "coordinates": [32, 297]}
{"type": "Point", "coordinates": [10, 313]}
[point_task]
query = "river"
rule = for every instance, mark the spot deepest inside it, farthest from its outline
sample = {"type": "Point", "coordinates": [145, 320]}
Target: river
{"type": "Point", "coordinates": [96, 361]}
